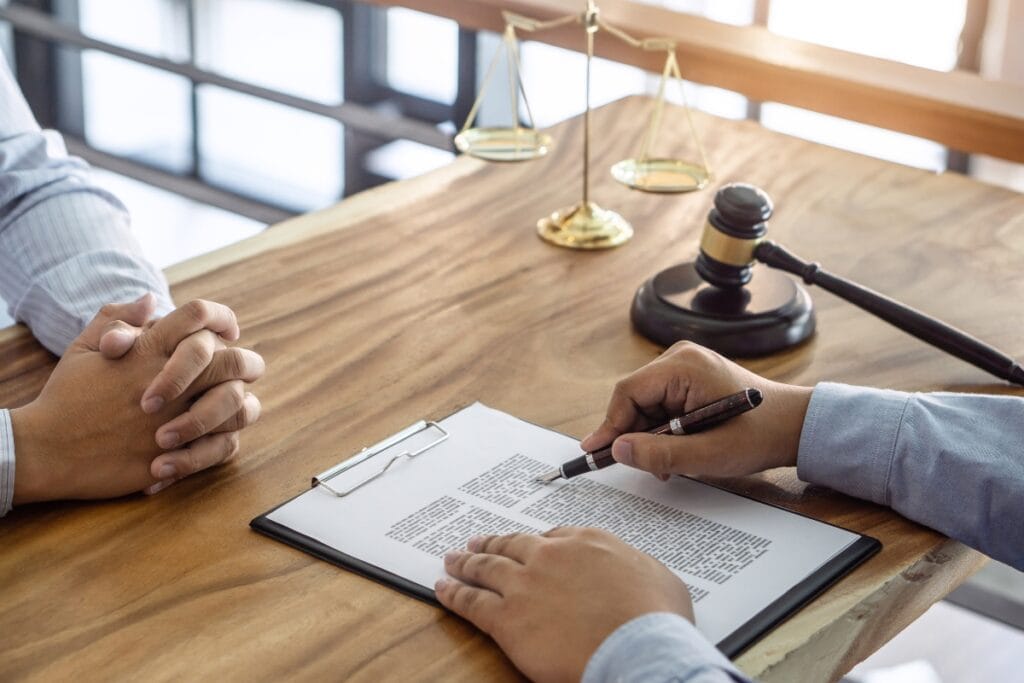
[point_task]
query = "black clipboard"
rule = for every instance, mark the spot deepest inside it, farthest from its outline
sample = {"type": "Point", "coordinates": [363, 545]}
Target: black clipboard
{"type": "Point", "coordinates": [731, 646]}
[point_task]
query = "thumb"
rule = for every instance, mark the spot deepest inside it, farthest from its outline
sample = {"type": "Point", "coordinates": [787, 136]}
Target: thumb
{"type": "Point", "coordinates": [662, 453]}
{"type": "Point", "coordinates": [117, 339]}
{"type": "Point", "coordinates": [135, 313]}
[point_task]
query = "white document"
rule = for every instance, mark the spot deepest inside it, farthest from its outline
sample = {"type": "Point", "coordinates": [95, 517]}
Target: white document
{"type": "Point", "coordinates": [736, 555]}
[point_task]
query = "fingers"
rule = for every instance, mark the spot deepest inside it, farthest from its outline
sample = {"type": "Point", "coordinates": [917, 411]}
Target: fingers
{"type": "Point", "coordinates": [249, 415]}
{"type": "Point", "coordinates": [135, 313]}
{"type": "Point", "coordinates": [483, 575]}
{"type": "Point", "coordinates": [476, 605]}
{"type": "Point", "coordinates": [117, 339]}
{"type": "Point", "coordinates": [663, 388]}
{"type": "Point", "coordinates": [518, 547]}
{"type": "Point", "coordinates": [601, 437]}
{"type": "Point", "coordinates": [196, 315]}
{"type": "Point", "coordinates": [562, 531]}
{"type": "Point", "coordinates": [492, 572]}
{"type": "Point", "coordinates": [651, 393]}
{"type": "Point", "coordinates": [202, 453]}
{"type": "Point", "coordinates": [229, 364]}
{"type": "Point", "coordinates": [643, 398]}
{"type": "Point", "coordinates": [158, 487]}
{"type": "Point", "coordinates": [197, 366]}
{"type": "Point", "coordinates": [188, 360]}
{"type": "Point", "coordinates": [224, 408]}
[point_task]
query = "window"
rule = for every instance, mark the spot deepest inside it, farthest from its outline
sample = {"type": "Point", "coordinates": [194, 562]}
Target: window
{"type": "Point", "coordinates": [287, 45]}
{"type": "Point", "coordinates": [137, 112]}
{"type": "Point", "coordinates": [422, 54]}
{"type": "Point", "coordinates": [287, 157]}
{"type": "Point", "coordinates": [294, 103]}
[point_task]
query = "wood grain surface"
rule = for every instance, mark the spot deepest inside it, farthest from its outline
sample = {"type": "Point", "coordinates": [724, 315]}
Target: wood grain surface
{"type": "Point", "coordinates": [419, 297]}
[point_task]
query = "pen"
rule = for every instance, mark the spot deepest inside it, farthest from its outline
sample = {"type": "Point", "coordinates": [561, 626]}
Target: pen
{"type": "Point", "coordinates": [694, 421]}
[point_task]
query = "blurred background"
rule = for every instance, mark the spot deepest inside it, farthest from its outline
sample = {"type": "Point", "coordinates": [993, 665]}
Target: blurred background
{"type": "Point", "coordinates": [212, 119]}
{"type": "Point", "coordinates": [267, 100]}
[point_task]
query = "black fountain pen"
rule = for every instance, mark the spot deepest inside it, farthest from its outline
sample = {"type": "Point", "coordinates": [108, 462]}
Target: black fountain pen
{"type": "Point", "coordinates": [692, 422]}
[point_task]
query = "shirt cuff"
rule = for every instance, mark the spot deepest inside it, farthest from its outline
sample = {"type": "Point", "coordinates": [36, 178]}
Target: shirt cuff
{"type": "Point", "coordinates": [836, 448]}
{"type": "Point", "coordinates": [659, 647]}
{"type": "Point", "coordinates": [6, 463]}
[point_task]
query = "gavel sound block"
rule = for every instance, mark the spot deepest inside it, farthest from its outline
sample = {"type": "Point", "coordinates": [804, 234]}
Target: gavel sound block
{"type": "Point", "coordinates": [727, 302]}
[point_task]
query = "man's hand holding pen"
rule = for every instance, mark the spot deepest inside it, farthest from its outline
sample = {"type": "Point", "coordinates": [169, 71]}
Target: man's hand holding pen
{"type": "Point", "coordinates": [682, 379]}
{"type": "Point", "coordinates": [549, 601]}
{"type": "Point", "coordinates": [693, 422]}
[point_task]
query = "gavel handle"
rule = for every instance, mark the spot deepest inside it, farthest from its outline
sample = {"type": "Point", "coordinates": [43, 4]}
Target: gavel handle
{"type": "Point", "coordinates": [924, 327]}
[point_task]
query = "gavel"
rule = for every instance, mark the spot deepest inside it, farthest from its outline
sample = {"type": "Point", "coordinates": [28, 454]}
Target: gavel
{"type": "Point", "coordinates": [723, 301]}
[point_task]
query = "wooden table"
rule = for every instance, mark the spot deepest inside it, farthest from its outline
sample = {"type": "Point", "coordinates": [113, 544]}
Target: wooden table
{"type": "Point", "coordinates": [419, 297]}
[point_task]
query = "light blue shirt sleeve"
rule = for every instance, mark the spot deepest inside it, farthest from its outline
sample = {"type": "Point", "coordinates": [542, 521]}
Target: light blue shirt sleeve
{"type": "Point", "coordinates": [66, 247]}
{"type": "Point", "coordinates": [953, 462]}
{"type": "Point", "coordinates": [659, 648]}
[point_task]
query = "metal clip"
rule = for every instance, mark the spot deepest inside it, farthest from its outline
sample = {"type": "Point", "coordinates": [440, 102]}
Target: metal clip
{"type": "Point", "coordinates": [378, 448]}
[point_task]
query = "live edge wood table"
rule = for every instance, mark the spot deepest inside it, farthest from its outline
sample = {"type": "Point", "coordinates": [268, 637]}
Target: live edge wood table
{"type": "Point", "coordinates": [419, 297]}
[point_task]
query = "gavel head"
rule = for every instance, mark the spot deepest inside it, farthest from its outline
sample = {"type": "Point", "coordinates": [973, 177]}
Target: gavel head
{"type": "Point", "coordinates": [734, 227]}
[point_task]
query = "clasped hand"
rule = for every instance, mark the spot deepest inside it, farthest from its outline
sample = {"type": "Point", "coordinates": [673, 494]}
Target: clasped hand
{"type": "Point", "coordinates": [136, 404]}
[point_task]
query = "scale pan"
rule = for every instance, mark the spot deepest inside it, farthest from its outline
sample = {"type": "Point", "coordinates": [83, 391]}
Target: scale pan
{"type": "Point", "coordinates": [503, 144]}
{"type": "Point", "coordinates": [660, 175]}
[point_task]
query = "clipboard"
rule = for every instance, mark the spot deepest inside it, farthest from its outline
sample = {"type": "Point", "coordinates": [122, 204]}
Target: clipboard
{"type": "Point", "coordinates": [380, 458]}
{"type": "Point", "coordinates": [299, 541]}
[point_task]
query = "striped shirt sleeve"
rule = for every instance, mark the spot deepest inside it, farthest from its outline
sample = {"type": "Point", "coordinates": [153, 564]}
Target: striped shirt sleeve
{"type": "Point", "coordinates": [66, 246]}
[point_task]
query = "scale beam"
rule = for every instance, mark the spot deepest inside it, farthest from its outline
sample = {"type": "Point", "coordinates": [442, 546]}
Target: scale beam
{"type": "Point", "coordinates": [584, 225]}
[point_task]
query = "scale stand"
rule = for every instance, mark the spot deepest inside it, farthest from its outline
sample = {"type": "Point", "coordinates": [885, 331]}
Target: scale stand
{"type": "Point", "coordinates": [584, 225]}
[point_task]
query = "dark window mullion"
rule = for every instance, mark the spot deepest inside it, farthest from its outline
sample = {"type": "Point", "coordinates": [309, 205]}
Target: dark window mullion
{"type": "Point", "coordinates": [35, 68]}
{"type": "Point", "coordinates": [364, 50]}
{"type": "Point", "coordinates": [196, 167]}
{"type": "Point", "coordinates": [416, 107]}
{"type": "Point", "coordinates": [67, 87]}
{"type": "Point", "coordinates": [466, 92]}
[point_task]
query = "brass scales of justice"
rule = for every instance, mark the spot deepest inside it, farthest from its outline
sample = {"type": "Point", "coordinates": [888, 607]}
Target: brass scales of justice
{"type": "Point", "coordinates": [708, 300]}
{"type": "Point", "coordinates": [584, 225]}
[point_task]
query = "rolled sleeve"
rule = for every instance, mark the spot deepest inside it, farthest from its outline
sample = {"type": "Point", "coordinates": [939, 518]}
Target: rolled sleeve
{"type": "Point", "coordinates": [69, 256]}
{"type": "Point", "coordinates": [66, 245]}
{"type": "Point", "coordinates": [656, 648]}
